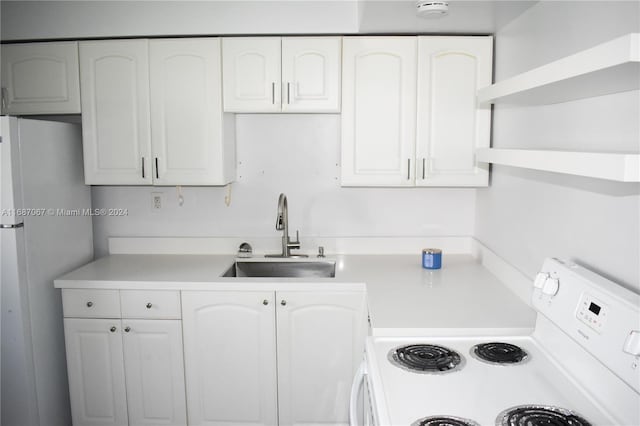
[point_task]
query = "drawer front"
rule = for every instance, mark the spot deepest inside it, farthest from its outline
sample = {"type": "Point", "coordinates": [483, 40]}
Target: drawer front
{"type": "Point", "coordinates": [80, 303]}
{"type": "Point", "coordinates": [150, 304]}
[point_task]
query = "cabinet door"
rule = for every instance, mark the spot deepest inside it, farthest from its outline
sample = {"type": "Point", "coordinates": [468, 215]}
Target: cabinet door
{"type": "Point", "coordinates": [378, 111]}
{"type": "Point", "coordinates": [96, 372]}
{"type": "Point", "coordinates": [321, 339]}
{"type": "Point", "coordinates": [115, 112]}
{"type": "Point", "coordinates": [230, 358]}
{"type": "Point", "coordinates": [186, 112]}
{"type": "Point", "coordinates": [155, 372]}
{"type": "Point", "coordinates": [451, 125]}
{"type": "Point", "coordinates": [251, 69]}
{"type": "Point", "coordinates": [311, 74]}
{"type": "Point", "coordinates": [40, 78]}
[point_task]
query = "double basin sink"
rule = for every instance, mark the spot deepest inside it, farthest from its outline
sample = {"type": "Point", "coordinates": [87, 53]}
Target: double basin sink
{"type": "Point", "coordinates": [282, 269]}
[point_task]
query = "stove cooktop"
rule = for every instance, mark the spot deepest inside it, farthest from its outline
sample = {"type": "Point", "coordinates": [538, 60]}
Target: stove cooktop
{"type": "Point", "coordinates": [520, 380]}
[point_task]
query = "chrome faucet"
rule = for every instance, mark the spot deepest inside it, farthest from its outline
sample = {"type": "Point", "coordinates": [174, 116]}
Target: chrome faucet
{"type": "Point", "coordinates": [282, 224]}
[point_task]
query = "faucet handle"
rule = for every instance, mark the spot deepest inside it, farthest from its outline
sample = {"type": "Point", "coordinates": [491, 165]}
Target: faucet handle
{"type": "Point", "coordinates": [320, 251]}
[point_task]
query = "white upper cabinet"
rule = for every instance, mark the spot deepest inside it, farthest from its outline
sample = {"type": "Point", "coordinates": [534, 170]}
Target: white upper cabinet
{"type": "Point", "coordinates": [40, 78]}
{"type": "Point", "coordinates": [390, 136]}
{"type": "Point", "coordinates": [311, 74]}
{"type": "Point", "coordinates": [273, 74]}
{"type": "Point", "coordinates": [115, 112]}
{"type": "Point", "coordinates": [378, 111]}
{"type": "Point", "coordinates": [152, 113]}
{"type": "Point", "coordinates": [251, 69]}
{"type": "Point", "coordinates": [451, 125]}
{"type": "Point", "coordinates": [186, 113]}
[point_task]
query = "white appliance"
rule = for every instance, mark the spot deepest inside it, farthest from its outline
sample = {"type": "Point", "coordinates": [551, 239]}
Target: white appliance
{"type": "Point", "coordinates": [580, 366]}
{"type": "Point", "coordinates": [44, 233]}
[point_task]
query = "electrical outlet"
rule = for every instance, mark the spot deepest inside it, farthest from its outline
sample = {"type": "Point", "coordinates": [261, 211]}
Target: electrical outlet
{"type": "Point", "coordinates": [157, 200]}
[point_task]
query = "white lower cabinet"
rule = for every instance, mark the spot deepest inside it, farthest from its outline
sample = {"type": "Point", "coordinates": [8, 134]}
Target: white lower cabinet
{"type": "Point", "coordinates": [95, 365]}
{"type": "Point", "coordinates": [123, 372]}
{"type": "Point", "coordinates": [154, 372]}
{"type": "Point", "coordinates": [320, 345]}
{"type": "Point", "coordinates": [271, 358]}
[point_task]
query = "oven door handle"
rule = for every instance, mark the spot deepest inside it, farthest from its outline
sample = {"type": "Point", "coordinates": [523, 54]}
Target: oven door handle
{"type": "Point", "coordinates": [356, 388]}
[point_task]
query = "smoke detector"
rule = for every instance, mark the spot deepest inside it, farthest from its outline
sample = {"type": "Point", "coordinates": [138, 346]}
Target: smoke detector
{"type": "Point", "coordinates": [432, 9]}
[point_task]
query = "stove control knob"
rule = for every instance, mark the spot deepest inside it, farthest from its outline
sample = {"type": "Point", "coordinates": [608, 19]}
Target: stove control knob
{"type": "Point", "coordinates": [632, 343]}
{"type": "Point", "coordinates": [551, 286]}
{"type": "Point", "coordinates": [540, 279]}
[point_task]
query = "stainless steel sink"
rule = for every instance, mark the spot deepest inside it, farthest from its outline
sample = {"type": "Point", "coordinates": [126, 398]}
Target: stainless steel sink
{"type": "Point", "coordinates": [281, 269]}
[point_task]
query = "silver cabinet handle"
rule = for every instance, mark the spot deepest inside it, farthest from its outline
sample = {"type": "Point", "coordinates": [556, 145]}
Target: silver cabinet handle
{"type": "Point", "coordinates": [127, 329]}
{"type": "Point", "coordinates": [142, 167]}
{"type": "Point", "coordinates": [408, 168]}
{"type": "Point", "coordinates": [265, 302]}
{"type": "Point", "coordinates": [4, 97]}
{"type": "Point", "coordinates": [149, 305]}
{"type": "Point", "coordinates": [113, 329]}
{"type": "Point", "coordinates": [288, 93]}
{"type": "Point", "coordinates": [283, 302]}
{"type": "Point", "coordinates": [424, 167]}
{"type": "Point", "coordinates": [273, 92]}
{"type": "Point", "coordinates": [89, 304]}
{"type": "Point", "coordinates": [157, 171]}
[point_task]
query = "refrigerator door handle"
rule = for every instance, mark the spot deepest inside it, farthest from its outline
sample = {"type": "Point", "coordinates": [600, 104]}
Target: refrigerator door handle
{"type": "Point", "coordinates": [12, 226]}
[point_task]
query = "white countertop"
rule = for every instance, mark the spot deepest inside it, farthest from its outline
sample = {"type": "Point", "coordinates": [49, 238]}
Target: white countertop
{"type": "Point", "coordinates": [404, 299]}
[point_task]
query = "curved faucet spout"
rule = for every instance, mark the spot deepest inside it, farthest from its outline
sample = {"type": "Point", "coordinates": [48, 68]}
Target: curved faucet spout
{"type": "Point", "coordinates": [282, 224]}
{"type": "Point", "coordinates": [282, 219]}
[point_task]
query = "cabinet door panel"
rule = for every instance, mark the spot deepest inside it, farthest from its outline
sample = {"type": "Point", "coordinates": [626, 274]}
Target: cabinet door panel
{"type": "Point", "coordinates": [229, 344]}
{"type": "Point", "coordinates": [311, 74]}
{"type": "Point", "coordinates": [155, 372]}
{"type": "Point", "coordinates": [320, 345]}
{"type": "Point", "coordinates": [251, 68]}
{"type": "Point", "coordinates": [115, 112]}
{"type": "Point", "coordinates": [96, 372]}
{"type": "Point", "coordinates": [378, 111]}
{"type": "Point", "coordinates": [450, 123]}
{"type": "Point", "coordinates": [40, 78]}
{"type": "Point", "coordinates": [186, 111]}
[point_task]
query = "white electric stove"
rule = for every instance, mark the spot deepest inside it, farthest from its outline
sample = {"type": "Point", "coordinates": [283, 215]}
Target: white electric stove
{"type": "Point", "coordinates": [581, 365]}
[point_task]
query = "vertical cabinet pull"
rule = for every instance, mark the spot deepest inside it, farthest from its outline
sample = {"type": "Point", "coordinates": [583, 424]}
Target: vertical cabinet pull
{"type": "Point", "coordinates": [273, 92]}
{"type": "Point", "coordinates": [424, 167]}
{"type": "Point", "coordinates": [408, 168]}
{"type": "Point", "coordinates": [4, 97]}
{"type": "Point", "coordinates": [157, 172]}
{"type": "Point", "coordinates": [142, 167]}
{"type": "Point", "coordinates": [288, 93]}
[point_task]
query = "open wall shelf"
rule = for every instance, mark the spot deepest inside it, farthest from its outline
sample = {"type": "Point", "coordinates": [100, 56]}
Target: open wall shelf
{"type": "Point", "coordinates": [619, 167]}
{"type": "Point", "coordinates": [607, 68]}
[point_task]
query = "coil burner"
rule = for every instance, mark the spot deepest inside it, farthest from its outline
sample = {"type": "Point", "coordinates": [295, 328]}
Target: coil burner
{"type": "Point", "coordinates": [444, 421]}
{"type": "Point", "coordinates": [539, 415]}
{"type": "Point", "coordinates": [499, 353]}
{"type": "Point", "coordinates": [426, 358]}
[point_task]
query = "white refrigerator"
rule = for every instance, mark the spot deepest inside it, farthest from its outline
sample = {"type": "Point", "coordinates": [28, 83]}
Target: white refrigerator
{"type": "Point", "coordinates": [44, 233]}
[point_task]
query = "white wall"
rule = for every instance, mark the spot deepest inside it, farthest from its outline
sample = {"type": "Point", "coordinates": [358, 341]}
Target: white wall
{"type": "Point", "coordinates": [527, 215]}
{"type": "Point", "coordinates": [28, 20]}
{"type": "Point", "coordinates": [298, 155]}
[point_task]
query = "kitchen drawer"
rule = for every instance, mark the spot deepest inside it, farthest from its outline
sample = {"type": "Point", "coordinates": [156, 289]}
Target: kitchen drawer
{"type": "Point", "coordinates": [150, 304]}
{"type": "Point", "coordinates": [82, 303]}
